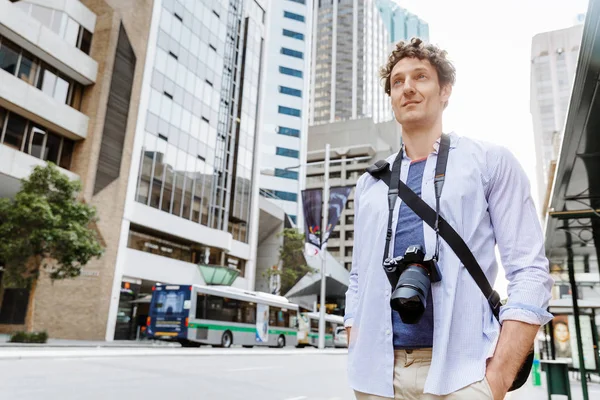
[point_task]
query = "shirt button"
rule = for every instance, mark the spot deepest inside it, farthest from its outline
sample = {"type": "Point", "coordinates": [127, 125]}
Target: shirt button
{"type": "Point", "coordinates": [387, 332]}
{"type": "Point", "coordinates": [387, 292]}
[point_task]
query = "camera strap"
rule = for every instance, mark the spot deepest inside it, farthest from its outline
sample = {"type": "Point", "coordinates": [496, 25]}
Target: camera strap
{"type": "Point", "coordinates": [432, 218]}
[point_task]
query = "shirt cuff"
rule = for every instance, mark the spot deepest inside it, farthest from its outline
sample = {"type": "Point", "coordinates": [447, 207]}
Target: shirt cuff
{"type": "Point", "coordinates": [525, 313]}
{"type": "Point", "coordinates": [348, 323]}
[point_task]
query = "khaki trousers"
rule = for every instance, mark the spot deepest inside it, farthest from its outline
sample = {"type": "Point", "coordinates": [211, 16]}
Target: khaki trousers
{"type": "Point", "coordinates": [410, 372]}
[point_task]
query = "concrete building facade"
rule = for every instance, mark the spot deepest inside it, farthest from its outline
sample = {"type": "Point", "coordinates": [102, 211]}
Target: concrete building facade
{"type": "Point", "coordinates": [70, 84]}
{"type": "Point", "coordinates": [156, 108]}
{"type": "Point", "coordinates": [354, 146]}
{"type": "Point", "coordinates": [553, 64]}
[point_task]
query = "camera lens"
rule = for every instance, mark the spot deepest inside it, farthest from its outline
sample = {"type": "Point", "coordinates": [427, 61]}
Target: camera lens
{"type": "Point", "coordinates": [410, 296]}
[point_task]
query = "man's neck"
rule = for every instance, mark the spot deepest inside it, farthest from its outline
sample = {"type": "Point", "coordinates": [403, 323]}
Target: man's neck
{"type": "Point", "coordinates": [418, 142]}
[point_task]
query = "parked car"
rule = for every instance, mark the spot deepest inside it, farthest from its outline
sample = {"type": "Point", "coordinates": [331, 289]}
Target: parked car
{"type": "Point", "coordinates": [340, 338]}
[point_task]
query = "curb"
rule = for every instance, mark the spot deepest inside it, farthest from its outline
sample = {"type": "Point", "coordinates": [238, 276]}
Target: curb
{"type": "Point", "coordinates": [108, 352]}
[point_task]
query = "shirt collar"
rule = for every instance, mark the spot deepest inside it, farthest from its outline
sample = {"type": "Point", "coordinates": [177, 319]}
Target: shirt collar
{"type": "Point", "coordinates": [436, 146]}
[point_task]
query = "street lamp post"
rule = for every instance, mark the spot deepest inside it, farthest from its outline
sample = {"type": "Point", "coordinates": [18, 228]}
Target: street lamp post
{"type": "Point", "coordinates": [323, 250]}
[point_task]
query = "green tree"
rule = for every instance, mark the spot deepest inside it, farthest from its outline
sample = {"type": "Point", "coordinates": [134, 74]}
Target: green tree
{"type": "Point", "coordinates": [46, 226]}
{"type": "Point", "coordinates": [291, 256]}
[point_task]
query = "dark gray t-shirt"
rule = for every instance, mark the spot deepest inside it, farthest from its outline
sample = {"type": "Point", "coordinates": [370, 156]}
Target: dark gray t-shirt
{"type": "Point", "coordinates": [409, 231]}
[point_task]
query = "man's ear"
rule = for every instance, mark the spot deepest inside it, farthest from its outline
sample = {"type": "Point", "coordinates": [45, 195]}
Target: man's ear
{"type": "Point", "coordinates": [445, 93]}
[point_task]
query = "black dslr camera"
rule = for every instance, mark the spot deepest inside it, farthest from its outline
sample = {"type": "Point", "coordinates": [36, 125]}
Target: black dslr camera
{"type": "Point", "coordinates": [416, 274]}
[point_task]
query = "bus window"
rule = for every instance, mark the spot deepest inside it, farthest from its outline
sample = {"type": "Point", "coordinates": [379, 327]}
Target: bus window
{"type": "Point", "coordinates": [328, 327]}
{"type": "Point", "coordinates": [201, 306]}
{"type": "Point", "coordinates": [314, 325]}
{"type": "Point", "coordinates": [169, 303]}
{"type": "Point", "coordinates": [284, 319]}
{"type": "Point", "coordinates": [272, 316]}
{"type": "Point", "coordinates": [293, 320]}
{"type": "Point", "coordinates": [249, 312]}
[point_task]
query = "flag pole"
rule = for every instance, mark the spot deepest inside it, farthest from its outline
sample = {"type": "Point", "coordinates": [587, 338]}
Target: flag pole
{"type": "Point", "coordinates": [323, 250]}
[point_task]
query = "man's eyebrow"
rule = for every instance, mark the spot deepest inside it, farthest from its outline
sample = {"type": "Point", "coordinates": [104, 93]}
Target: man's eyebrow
{"type": "Point", "coordinates": [418, 69]}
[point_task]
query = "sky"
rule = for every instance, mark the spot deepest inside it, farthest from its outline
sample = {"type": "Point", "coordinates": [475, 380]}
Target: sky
{"type": "Point", "coordinates": [490, 45]}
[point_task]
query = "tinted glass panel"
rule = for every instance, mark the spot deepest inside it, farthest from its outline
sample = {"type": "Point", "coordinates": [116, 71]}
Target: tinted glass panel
{"type": "Point", "coordinates": [66, 154]}
{"type": "Point", "coordinates": [15, 131]}
{"type": "Point", "coordinates": [9, 56]}
{"type": "Point", "coordinates": [52, 148]}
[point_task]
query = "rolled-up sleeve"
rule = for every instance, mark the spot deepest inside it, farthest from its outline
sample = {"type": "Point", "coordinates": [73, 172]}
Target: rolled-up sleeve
{"type": "Point", "coordinates": [352, 292]}
{"type": "Point", "coordinates": [520, 240]}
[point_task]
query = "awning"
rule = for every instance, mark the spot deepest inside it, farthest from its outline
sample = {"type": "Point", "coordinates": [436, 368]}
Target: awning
{"type": "Point", "coordinates": [337, 279]}
{"type": "Point", "coordinates": [573, 220]}
{"type": "Point", "coordinates": [218, 274]}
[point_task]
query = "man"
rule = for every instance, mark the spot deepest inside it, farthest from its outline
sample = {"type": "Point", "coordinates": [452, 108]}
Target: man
{"type": "Point", "coordinates": [458, 350]}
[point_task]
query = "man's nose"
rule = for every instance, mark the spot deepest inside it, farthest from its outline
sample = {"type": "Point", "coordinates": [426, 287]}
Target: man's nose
{"type": "Point", "coordinates": [409, 87]}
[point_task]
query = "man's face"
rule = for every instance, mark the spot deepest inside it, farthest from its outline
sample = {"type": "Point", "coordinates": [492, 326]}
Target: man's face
{"type": "Point", "coordinates": [417, 98]}
{"type": "Point", "coordinates": [561, 332]}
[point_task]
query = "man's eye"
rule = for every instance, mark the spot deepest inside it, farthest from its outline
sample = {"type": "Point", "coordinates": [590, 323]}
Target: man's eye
{"type": "Point", "coordinates": [398, 82]}
{"type": "Point", "coordinates": [422, 76]}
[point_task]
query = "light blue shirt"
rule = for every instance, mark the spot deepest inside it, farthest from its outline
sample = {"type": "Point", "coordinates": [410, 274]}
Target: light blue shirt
{"type": "Point", "coordinates": [486, 198]}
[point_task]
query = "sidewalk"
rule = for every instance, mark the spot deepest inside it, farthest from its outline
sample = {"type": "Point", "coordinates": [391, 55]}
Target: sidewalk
{"type": "Point", "coordinates": [530, 392]}
{"type": "Point", "coordinates": [4, 342]}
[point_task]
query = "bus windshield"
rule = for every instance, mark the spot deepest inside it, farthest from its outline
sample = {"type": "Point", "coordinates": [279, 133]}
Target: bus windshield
{"type": "Point", "coordinates": [169, 303]}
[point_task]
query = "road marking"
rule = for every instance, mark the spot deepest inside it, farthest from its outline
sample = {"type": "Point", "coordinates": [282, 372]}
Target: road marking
{"type": "Point", "coordinates": [297, 398]}
{"type": "Point", "coordinates": [249, 369]}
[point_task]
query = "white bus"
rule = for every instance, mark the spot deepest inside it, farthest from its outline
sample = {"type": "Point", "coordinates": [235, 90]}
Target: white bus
{"type": "Point", "coordinates": [308, 329]}
{"type": "Point", "coordinates": [221, 316]}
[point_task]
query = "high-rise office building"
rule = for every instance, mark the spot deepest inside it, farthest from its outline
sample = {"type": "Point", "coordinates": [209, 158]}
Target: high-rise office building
{"type": "Point", "coordinates": [553, 62]}
{"type": "Point", "coordinates": [285, 114]}
{"type": "Point", "coordinates": [353, 39]}
{"type": "Point", "coordinates": [191, 214]}
{"type": "Point", "coordinates": [70, 80]}
{"type": "Point", "coordinates": [155, 107]}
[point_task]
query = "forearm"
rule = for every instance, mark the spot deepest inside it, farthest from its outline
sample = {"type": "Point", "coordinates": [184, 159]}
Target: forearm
{"type": "Point", "coordinates": [514, 344]}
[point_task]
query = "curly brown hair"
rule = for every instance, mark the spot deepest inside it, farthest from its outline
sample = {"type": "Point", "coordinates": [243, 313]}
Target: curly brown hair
{"type": "Point", "coordinates": [423, 51]}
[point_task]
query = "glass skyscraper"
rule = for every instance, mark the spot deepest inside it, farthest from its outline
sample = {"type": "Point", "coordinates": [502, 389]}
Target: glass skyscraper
{"type": "Point", "coordinates": [352, 39]}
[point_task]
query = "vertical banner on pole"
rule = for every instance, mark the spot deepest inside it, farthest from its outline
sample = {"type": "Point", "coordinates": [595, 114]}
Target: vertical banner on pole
{"type": "Point", "coordinates": [337, 202]}
{"type": "Point", "coordinates": [312, 204]}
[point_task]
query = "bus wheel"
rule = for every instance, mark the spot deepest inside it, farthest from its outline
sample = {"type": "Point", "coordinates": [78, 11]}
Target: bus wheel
{"type": "Point", "coordinates": [280, 341]}
{"type": "Point", "coordinates": [226, 340]}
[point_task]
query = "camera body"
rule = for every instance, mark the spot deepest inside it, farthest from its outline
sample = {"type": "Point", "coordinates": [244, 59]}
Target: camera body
{"type": "Point", "coordinates": [416, 273]}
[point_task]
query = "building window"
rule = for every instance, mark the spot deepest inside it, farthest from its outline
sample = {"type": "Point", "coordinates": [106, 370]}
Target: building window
{"type": "Point", "coordinates": [349, 235]}
{"type": "Point", "coordinates": [284, 173]}
{"type": "Point", "coordinates": [291, 72]}
{"type": "Point", "coordinates": [236, 263]}
{"type": "Point", "coordinates": [348, 251]}
{"type": "Point", "coordinates": [349, 219]}
{"type": "Point", "coordinates": [348, 266]}
{"type": "Point", "coordinates": [350, 205]}
{"type": "Point", "coordinates": [290, 91]}
{"type": "Point", "coordinates": [292, 53]}
{"type": "Point", "coordinates": [334, 251]}
{"type": "Point", "coordinates": [291, 15]}
{"type": "Point", "coordinates": [25, 66]}
{"type": "Point", "coordinates": [293, 218]}
{"type": "Point", "coordinates": [334, 235]}
{"type": "Point", "coordinates": [282, 130]}
{"type": "Point", "coordinates": [160, 246]}
{"type": "Point", "coordinates": [299, 1]}
{"type": "Point", "coordinates": [281, 195]}
{"type": "Point", "coordinates": [282, 151]}
{"type": "Point", "coordinates": [294, 112]}
{"type": "Point", "coordinates": [23, 135]}
{"type": "Point", "coordinates": [292, 34]}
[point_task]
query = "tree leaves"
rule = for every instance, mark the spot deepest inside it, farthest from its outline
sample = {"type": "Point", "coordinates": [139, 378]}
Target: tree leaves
{"type": "Point", "coordinates": [291, 255]}
{"type": "Point", "coordinates": [46, 226]}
